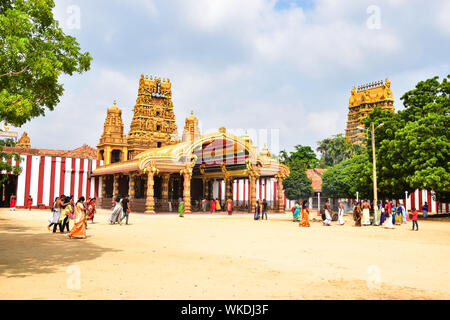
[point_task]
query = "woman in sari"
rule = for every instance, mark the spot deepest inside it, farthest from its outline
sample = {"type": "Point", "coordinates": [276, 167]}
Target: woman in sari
{"type": "Point", "coordinates": [394, 213]}
{"type": "Point", "coordinates": [79, 229]}
{"type": "Point", "coordinates": [91, 210]}
{"type": "Point", "coordinates": [357, 214]}
{"type": "Point", "coordinates": [388, 223]}
{"type": "Point", "coordinates": [12, 203]}
{"type": "Point", "coordinates": [218, 207]}
{"type": "Point", "coordinates": [399, 216]}
{"type": "Point", "coordinates": [213, 206]}
{"type": "Point", "coordinates": [383, 214]}
{"type": "Point", "coordinates": [305, 215]}
{"type": "Point", "coordinates": [296, 212]}
{"type": "Point", "coordinates": [181, 209]}
{"type": "Point", "coordinates": [116, 213]}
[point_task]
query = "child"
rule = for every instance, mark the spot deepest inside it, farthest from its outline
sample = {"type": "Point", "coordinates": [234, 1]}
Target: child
{"type": "Point", "coordinates": [414, 219]}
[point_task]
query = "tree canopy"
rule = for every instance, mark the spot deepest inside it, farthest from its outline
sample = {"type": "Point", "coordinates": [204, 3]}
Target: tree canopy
{"type": "Point", "coordinates": [298, 186]}
{"type": "Point", "coordinates": [348, 177]}
{"type": "Point", "coordinates": [34, 52]}
{"type": "Point", "coordinates": [337, 149]}
{"type": "Point", "coordinates": [303, 154]}
{"type": "Point", "coordinates": [413, 146]}
{"type": "Point", "coordinates": [5, 157]}
{"type": "Point", "coordinates": [412, 149]}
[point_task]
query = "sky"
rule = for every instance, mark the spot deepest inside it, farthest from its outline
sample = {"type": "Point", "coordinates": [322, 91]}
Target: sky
{"type": "Point", "coordinates": [282, 71]}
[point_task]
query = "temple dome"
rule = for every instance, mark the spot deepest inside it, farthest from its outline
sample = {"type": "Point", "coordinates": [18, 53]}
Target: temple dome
{"type": "Point", "coordinates": [114, 109]}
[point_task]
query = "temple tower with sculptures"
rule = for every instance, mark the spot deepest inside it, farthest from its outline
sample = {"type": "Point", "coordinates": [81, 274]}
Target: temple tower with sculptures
{"type": "Point", "coordinates": [362, 102]}
{"type": "Point", "coordinates": [157, 169]}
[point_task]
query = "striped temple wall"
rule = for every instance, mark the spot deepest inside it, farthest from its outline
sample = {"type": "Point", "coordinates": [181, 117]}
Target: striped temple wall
{"type": "Point", "coordinates": [46, 177]}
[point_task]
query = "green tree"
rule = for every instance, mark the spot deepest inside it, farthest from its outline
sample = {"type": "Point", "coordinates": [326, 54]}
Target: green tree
{"type": "Point", "coordinates": [348, 177]}
{"type": "Point", "coordinates": [298, 186]}
{"type": "Point", "coordinates": [5, 165]}
{"type": "Point", "coordinates": [34, 53]}
{"type": "Point", "coordinates": [413, 146]}
{"type": "Point", "coordinates": [337, 149]}
{"type": "Point", "coordinates": [303, 154]}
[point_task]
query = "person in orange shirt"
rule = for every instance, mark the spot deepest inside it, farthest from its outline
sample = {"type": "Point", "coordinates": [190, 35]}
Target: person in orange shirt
{"type": "Point", "coordinates": [414, 219]}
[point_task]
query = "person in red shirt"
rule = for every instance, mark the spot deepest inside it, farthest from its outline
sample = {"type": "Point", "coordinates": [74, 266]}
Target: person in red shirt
{"type": "Point", "coordinates": [414, 219]}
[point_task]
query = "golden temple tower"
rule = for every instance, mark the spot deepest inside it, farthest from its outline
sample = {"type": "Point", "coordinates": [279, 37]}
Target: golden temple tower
{"type": "Point", "coordinates": [153, 124]}
{"type": "Point", "coordinates": [113, 142]}
{"type": "Point", "coordinates": [191, 131]}
{"type": "Point", "coordinates": [362, 102]}
{"type": "Point", "coordinates": [24, 142]}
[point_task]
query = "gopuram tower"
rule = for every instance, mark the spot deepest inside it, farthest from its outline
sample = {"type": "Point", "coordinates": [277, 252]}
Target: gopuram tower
{"type": "Point", "coordinates": [362, 102]}
{"type": "Point", "coordinates": [153, 124]}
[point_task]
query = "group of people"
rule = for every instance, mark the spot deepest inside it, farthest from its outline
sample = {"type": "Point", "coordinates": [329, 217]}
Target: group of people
{"type": "Point", "coordinates": [216, 206]}
{"type": "Point", "coordinates": [120, 211]}
{"type": "Point", "coordinates": [387, 215]}
{"type": "Point", "coordinates": [260, 210]}
{"type": "Point", "coordinates": [65, 209]}
{"type": "Point", "coordinates": [301, 213]}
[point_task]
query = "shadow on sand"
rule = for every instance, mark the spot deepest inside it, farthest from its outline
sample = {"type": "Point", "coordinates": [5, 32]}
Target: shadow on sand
{"type": "Point", "coordinates": [23, 252]}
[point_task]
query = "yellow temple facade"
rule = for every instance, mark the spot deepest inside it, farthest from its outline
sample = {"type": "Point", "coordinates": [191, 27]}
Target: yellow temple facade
{"type": "Point", "coordinates": [362, 102]}
{"type": "Point", "coordinates": [157, 169]}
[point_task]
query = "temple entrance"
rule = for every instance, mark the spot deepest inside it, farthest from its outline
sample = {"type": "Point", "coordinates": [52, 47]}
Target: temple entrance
{"type": "Point", "coordinates": [196, 194]}
{"type": "Point", "coordinates": [109, 186]}
{"type": "Point", "coordinates": [7, 189]}
{"type": "Point", "coordinates": [123, 185]}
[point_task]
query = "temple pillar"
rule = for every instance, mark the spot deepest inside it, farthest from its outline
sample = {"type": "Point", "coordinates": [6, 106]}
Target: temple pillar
{"type": "Point", "coordinates": [150, 197]}
{"type": "Point", "coordinates": [280, 205]}
{"type": "Point", "coordinates": [252, 186]}
{"type": "Point", "coordinates": [205, 188]}
{"type": "Point", "coordinates": [165, 192]}
{"type": "Point", "coordinates": [229, 188]}
{"type": "Point", "coordinates": [187, 192]}
{"type": "Point", "coordinates": [131, 189]}
{"type": "Point", "coordinates": [115, 189]}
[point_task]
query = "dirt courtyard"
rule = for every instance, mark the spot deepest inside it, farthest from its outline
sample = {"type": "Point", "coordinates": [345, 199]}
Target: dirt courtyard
{"type": "Point", "coordinates": [221, 257]}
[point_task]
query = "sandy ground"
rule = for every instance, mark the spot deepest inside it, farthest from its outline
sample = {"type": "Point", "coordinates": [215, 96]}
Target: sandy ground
{"type": "Point", "coordinates": [222, 257]}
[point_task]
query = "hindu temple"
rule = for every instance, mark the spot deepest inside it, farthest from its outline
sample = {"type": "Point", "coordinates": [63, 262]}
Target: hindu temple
{"type": "Point", "coordinates": [157, 169]}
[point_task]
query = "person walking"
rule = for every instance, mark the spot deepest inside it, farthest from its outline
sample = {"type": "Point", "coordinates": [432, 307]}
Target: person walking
{"type": "Point", "coordinates": [327, 209]}
{"type": "Point", "coordinates": [305, 215]}
{"type": "Point", "coordinates": [79, 229]}
{"type": "Point", "coordinates": [230, 207]}
{"type": "Point", "coordinates": [425, 210]}
{"type": "Point", "coordinates": [56, 212]}
{"type": "Point", "coordinates": [126, 209]}
{"type": "Point", "coordinates": [66, 213]}
{"type": "Point", "coordinates": [12, 203]}
{"type": "Point", "coordinates": [218, 207]}
{"type": "Point", "coordinates": [181, 209]}
{"type": "Point", "coordinates": [341, 220]}
{"type": "Point", "coordinates": [204, 204]}
{"type": "Point", "coordinates": [116, 213]}
{"type": "Point", "coordinates": [213, 205]}
{"type": "Point", "coordinates": [257, 210]}
{"type": "Point", "coordinates": [357, 214]}
{"type": "Point", "coordinates": [366, 213]}
{"type": "Point", "coordinates": [414, 219]}
{"type": "Point", "coordinates": [29, 202]}
{"type": "Point", "coordinates": [296, 212]}
{"type": "Point", "coordinates": [264, 209]}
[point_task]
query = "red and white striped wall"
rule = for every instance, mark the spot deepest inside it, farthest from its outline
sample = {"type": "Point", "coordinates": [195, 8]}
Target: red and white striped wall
{"type": "Point", "coordinates": [46, 177]}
